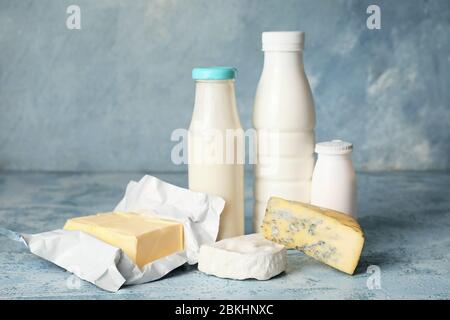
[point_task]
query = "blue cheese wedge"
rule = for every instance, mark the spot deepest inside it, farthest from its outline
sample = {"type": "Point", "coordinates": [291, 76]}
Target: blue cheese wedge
{"type": "Point", "coordinates": [331, 237]}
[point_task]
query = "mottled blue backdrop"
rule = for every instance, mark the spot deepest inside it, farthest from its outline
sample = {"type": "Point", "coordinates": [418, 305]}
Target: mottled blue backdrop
{"type": "Point", "coordinates": [108, 96]}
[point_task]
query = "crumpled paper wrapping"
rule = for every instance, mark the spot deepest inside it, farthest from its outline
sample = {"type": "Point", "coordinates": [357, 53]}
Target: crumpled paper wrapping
{"type": "Point", "coordinates": [108, 267]}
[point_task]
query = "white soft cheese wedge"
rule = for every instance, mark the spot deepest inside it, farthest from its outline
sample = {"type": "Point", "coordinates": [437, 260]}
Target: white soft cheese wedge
{"type": "Point", "coordinates": [329, 236]}
{"type": "Point", "coordinates": [244, 257]}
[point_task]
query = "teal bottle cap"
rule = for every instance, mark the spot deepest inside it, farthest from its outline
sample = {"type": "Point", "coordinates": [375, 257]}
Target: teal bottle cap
{"type": "Point", "coordinates": [214, 73]}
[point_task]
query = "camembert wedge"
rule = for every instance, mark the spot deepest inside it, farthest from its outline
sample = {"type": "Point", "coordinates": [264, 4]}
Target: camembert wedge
{"type": "Point", "coordinates": [331, 237]}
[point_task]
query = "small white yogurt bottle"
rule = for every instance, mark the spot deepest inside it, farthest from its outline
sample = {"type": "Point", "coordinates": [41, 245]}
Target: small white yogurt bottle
{"type": "Point", "coordinates": [333, 184]}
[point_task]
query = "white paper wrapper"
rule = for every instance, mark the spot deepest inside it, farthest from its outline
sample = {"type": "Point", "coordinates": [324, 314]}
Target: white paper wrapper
{"type": "Point", "coordinates": [107, 266]}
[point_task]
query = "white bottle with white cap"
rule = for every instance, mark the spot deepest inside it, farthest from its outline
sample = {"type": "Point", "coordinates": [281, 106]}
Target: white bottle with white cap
{"type": "Point", "coordinates": [333, 183]}
{"type": "Point", "coordinates": [284, 119]}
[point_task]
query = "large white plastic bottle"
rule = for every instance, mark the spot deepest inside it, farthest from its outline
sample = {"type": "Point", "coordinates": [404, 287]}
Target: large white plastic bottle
{"type": "Point", "coordinates": [215, 136]}
{"type": "Point", "coordinates": [284, 119]}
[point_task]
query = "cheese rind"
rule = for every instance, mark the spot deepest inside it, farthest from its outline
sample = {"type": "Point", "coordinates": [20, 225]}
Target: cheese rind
{"type": "Point", "coordinates": [243, 257]}
{"type": "Point", "coordinates": [331, 237]}
{"type": "Point", "coordinates": [143, 238]}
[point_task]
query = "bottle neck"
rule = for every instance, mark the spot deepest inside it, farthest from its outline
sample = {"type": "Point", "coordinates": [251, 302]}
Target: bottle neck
{"type": "Point", "coordinates": [215, 104]}
{"type": "Point", "coordinates": [335, 157]}
{"type": "Point", "coordinates": [283, 60]}
{"type": "Point", "coordinates": [214, 91]}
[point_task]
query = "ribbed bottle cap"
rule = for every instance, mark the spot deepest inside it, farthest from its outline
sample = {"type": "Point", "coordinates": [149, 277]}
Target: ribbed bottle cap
{"type": "Point", "coordinates": [334, 147]}
{"type": "Point", "coordinates": [214, 73]}
{"type": "Point", "coordinates": [283, 41]}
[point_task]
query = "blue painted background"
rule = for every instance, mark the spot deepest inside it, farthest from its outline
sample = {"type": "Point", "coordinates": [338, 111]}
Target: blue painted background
{"type": "Point", "coordinates": [107, 97]}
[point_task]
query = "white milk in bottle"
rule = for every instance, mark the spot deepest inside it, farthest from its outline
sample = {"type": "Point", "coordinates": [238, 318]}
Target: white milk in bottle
{"type": "Point", "coordinates": [215, 146]}
{"type": "Point", "coordinates": [284, 119]}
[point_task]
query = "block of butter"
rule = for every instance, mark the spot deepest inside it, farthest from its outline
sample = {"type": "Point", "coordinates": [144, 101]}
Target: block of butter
{"type": "Point", "coordinates": [331, 237]}
{"type": "Point", "coordinates": [143, 238]}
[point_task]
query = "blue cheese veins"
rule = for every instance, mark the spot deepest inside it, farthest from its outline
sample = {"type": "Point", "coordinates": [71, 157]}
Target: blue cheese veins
{"type": "Point", "coordinates": [328, 236]}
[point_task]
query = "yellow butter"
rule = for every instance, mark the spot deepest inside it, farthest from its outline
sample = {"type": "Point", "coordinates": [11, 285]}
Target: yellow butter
{"type": "Point", "coordinates": [143, 238]}
{"type": "Point", "coordinates": [331, 237]}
